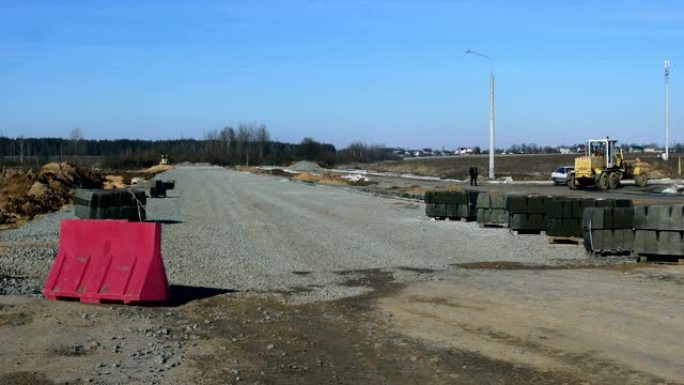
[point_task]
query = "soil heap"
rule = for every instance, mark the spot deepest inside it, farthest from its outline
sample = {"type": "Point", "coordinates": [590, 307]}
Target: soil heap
{"type": "Point", "coordinates": [26, 194]}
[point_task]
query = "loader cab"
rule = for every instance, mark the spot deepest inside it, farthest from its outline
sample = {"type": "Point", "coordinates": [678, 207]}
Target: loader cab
{"type": "Point", "coordinates": [603, 149]}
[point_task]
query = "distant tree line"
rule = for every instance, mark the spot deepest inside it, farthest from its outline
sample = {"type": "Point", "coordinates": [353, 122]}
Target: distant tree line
{"type": "Point", "coordinates": [245, 144]}
{"type": "Point", "coordinates": [363, 153]}
{"type": "Point", "coordinates": [532, 148]}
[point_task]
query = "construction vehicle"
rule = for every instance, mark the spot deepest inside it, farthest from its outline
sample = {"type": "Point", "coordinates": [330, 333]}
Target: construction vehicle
{"type": "Point", "coordinates": [604, 167]}
{"type": "Point", "coordinates": [164, 160]}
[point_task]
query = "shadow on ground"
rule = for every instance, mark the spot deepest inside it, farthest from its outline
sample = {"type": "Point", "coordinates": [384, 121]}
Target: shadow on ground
{"type": "Point", "coordinates": [181, 294]}
{"type": "Point", "coordinates": [167, 221]}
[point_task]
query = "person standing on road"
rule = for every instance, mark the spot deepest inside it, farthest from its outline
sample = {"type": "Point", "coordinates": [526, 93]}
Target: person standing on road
{"type": "Point", "coordinates": [473, 175]}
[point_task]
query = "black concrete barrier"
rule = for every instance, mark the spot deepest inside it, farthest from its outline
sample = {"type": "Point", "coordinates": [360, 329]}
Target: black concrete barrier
{"type": "Point", "coordinates": [564, 218]}
{"type": "Point", "coordinates": [459, 204]}
{"type": "Point", "coordinates": [659, 232]}
{"type": "Point", "coordinates": [126, 204]}
{"type": "Point", "coordinates": [527, 213]}
{"type": "Point", "coordinates": [608, 230]}
{"type": "Point", "coordinates": [491, 210]}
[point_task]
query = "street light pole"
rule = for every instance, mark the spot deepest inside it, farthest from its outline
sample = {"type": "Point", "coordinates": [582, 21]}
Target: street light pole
{"type": "Point", "coordinates": [491, 125]}
{"type": "Point", "coordinates": [491, 109]}
{"type": "Point", "coordinates": [667, 109]}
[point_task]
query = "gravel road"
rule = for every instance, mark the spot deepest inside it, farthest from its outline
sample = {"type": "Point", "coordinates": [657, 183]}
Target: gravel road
{"type": "Point", "coordinates": [238, 231]}
{"type": "Point", "coordinates": [242, 231]}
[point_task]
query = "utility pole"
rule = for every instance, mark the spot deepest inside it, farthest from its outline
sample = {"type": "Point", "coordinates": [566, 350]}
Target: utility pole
{"type": "Point", "coordinates": [667, 109]}
{"type": "Point", "coordinates": [491, 125]}
{"type": "Point", "coordinates": [491, 109]}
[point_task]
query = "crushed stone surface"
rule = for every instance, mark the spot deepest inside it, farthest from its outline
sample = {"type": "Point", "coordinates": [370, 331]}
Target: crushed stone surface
{"type": "Point", "coordinates": [238, 231]}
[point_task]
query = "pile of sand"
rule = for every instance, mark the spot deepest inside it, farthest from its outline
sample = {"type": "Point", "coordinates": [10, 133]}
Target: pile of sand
{"type": "Point", "coordinates": [114, 182]}
{"type": "Point", "coordinates": [307, 177]}
{"type": "Point", "coordinates": [26, 194]}
{"type": "Point", "coordinates": [157, 169]}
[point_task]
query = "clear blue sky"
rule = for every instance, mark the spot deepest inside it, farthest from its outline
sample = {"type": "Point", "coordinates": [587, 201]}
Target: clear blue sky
{"type": "Point", "coordinates": [392, 72]}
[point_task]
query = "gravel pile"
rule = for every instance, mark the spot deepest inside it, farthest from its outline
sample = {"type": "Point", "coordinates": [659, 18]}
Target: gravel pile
{"type": "Point", "coordinates": [239, 231]}
{"type": "Point", "coordinates": [305, 166]}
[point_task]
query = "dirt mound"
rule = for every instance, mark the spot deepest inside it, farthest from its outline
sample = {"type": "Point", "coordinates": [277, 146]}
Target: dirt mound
{"type": "Point", "coordinates": [265, 171]}
{"type": "Point", "coordinates": [333, 179]}
{"type": "Point", "coordinates": [26, 194]}
{"type": "Point", "coordinates": [413, 189]}
{"type": "Point", "coordinates": [657, 174]}
{"type": "Point", "coordinates": [307, 177]}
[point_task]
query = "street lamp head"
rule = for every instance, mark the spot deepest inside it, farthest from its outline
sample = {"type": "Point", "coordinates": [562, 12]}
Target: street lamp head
{"type": "Point", "coordinates": [470, 51]}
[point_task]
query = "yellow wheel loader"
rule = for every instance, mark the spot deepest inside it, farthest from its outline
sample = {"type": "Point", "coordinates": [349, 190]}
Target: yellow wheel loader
{"type": "Point", "coordinates": [604, 167]}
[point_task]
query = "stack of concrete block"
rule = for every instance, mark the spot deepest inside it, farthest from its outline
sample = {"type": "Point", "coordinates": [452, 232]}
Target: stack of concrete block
{"type": "Point", "coordinates": [110, 204]}
{"type": "Point", "coordinates": [564, 218]}
{"type": "Point", "coordinates": [451, 204]}
{"type": "Point", "coordinates": [527, 213]}
{"type": "Point", "coordinates": [491, 209]}
{"type": "Point", "coordinates": [659, 231]}
{"type": "Point", "coordinates": [608, 230]}
{"type": "Point", "coordinates": [160, 187]}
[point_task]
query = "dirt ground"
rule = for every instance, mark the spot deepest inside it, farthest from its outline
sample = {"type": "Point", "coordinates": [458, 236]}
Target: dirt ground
{"type": "Point", "coordinates": [598, 326]}
{"type": "Point", "coordinates": [416, 175]}
{"type": "Point", "coordinates": [650, 194]}
{"type": "Point", "coordinates": [519, 167]}
{"type": "Point", "coordinates": [504, 324]}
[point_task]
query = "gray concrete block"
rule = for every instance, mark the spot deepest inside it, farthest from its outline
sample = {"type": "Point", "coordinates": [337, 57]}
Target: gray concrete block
{"type": "Point", "coordinates": [646, 242]}
{"type": "Point", "coordinates": [484, 201]}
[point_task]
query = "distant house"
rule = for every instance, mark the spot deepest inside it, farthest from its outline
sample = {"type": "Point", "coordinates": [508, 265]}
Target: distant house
{"type": "Point", "coordinates": [650, 149]}
{"type": "Point", "coordinates": [636, 149]}
{"type": "Point", "coordinates": [565, 150]}
{"type": "Point", "coordinates": [464, 150]}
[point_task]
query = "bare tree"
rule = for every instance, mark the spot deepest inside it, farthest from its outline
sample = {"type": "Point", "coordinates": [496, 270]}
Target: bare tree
{"type": "Point", "coordinates": [252, 136]}
{"type": "Point", "coordinates": [76, 135]}
{"type": "Point", "coordinates": [21, 149]}
{"type": "Point", "coordinates": [262, 138]}
{"type": "Point", "coordinates": [211, 137]}
{"type": "Point", "coordinates": [227, 135]}
{"type": "Point", "coordinates": [245, 135]}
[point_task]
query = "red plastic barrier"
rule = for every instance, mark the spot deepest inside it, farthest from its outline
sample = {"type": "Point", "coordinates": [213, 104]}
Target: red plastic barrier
{"type": "Point", "coordinates": [108, 260]}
